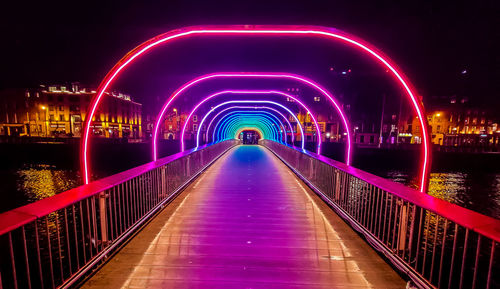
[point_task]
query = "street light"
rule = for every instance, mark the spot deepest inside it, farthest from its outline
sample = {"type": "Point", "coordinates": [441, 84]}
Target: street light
{"type": "Point", "coordinates": [44, 108]}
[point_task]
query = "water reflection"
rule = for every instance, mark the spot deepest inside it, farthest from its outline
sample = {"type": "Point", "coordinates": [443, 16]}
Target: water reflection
{"type": "Point", "coordinates": [477, 191]}
{"type": "Point", "coordinates": [43, 181]}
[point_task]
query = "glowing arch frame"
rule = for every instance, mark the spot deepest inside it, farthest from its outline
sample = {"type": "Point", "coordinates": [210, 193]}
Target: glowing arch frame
{"type": "Point", "coordinates": [270, 30]}
{"type": "Point", "coordinates": [240, 130]}
{"type": "Point", "coordinates": [250, 115]}
{"type": "Point", "coordinates": [236, 119]}
{"type": "Point", "coordinates": [251, 108]}
{"type": "Point", "coordinates": [276, 92]}
{"type": "Point", "coordinates": [295, 77]}
{"type": "Point", "coordinates": [215, 117]}
{"type": "Point", "coordinates": [235, 107]}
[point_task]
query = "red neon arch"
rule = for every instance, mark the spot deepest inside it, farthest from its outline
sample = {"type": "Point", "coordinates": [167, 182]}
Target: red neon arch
{"type": "Point", "coordinates": [273, 30]}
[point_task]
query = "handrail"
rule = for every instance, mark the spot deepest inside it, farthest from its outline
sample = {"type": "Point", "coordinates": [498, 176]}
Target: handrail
{"type": "Point", "coordinates": [56, 241]}
{"type": "Point", "coordinates": [485, 225]}
{"type": "Point", "coordinates": [435, 243]}
{"type": "Point", "coordinates": [20, 216]}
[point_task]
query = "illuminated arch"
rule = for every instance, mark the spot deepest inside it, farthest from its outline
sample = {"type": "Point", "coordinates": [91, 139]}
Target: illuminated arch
{"type": "Point", "coordinates": [236, 120]}
{"type": "Point", "coordinates": [272, 30]}
{"type": "Point", "coordinates": [267, 118]}
{"type": "Point", "coordinates": [240, 130]}
{"type": "Point", "coordinates": [295, 77]}
{"type": "Point", "coordinates": [235, 107]}
{"type": "Point", "coordinates": [276, 92]}
{"type": "Point", "coordinates": [250, 92]}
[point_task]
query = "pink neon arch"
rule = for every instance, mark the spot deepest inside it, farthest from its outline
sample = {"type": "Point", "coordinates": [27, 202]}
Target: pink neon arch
{"type": "Point", "coordinates": [231, 92]}
{"type": "Point", "coordinates": [296, 77]}
{"type": "Point", "coordinates": [272, 30]}
{"type": "Point", "coordinates": [234, 107]}
{"type": "Point", "coordinates": [318, 131]}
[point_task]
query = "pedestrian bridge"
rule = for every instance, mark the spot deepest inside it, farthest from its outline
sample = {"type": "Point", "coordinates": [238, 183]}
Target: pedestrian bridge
{"type": "Point", "coordinates": [246, 216]}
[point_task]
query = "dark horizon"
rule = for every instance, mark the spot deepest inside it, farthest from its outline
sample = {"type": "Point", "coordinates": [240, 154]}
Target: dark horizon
{"type": "Point", "coordinates": [434, 43]}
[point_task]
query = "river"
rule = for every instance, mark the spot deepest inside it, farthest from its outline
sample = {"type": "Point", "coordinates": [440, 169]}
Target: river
{"type": "Point", "coordinates": [472, 188]}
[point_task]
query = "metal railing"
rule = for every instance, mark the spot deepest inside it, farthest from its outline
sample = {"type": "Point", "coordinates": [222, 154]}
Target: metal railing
{"type": "Point", "coordinates": [436, 243]}
{"type": "Point", "coordinates": [55, 241]}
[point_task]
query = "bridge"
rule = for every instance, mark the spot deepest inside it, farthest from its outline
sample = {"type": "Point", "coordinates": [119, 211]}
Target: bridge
{"type": "Point", "coordinates": [227, 215]}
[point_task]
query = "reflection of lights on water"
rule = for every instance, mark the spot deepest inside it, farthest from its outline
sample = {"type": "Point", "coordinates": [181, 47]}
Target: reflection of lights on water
{"type": "Point", "coordinates": [447, 186]}
{"type": "Point", "coordinates": [44, 181]}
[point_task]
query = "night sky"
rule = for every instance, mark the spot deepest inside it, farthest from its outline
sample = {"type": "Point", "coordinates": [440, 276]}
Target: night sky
{"type": "Point", "coordinates": [432, 41]}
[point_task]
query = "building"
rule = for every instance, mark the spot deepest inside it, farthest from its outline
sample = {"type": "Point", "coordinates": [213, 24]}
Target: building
{"type": "Point", "coordinates": [455, 123]}
{"type": "Point", "coordinates": [60, 111]}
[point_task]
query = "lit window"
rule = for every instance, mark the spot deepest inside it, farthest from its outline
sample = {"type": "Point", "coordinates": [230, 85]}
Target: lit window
{"type": "Point", "coordinates": [195, 127]}
{"type": "Point", "coordinates": [52, 88]}
{"type": "Point", "coordinates": [195, 118]}
{"type": "Point", "coordinates": [317, 98]}
{"type": "Point", "coordinates": [63, 88]}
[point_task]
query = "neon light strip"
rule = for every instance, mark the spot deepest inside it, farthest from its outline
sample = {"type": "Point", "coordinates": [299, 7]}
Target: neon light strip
{"type": "Point", "coordinates": [238, 107]}
{"type": "Point", "coordinates": [302, 79]}
{"type": "Point", "coordinates": [248, 101]}
{"type": "Point", "coordinates": [274, 30]}
{"type": "Point", "coordinates": [274, 121]}
{"type": "Point", "coordinates": [244, 92]}
{"type": "Point", "coordinates": [272, 131]}
{"type": "Point", "coordinates": [230, 126]}
{"type": "Point", "coordinates": [241, 129]}
{"type": "Point", "coordinates": [318, 131]}
{"type": "Point", "coordinates": [227, 128]}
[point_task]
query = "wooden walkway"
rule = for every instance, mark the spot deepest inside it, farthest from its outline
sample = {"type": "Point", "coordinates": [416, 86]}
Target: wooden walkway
{"type": "Point", "coordinates": [247, 222]}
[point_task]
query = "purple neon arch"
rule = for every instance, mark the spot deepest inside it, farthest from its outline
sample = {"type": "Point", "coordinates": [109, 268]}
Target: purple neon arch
{"type": "Point", "coordinates": [255, 101]}
{"type": "Point", "coordinates": [239, 107]}
{"type": "Point", "coordinates": [233, 107]}
{"type": "Point", "coordinates": [299, 78]}
{"type": "Point", "coordinates": [236, 118]}
{"type": "Point", "coordinates": [242, 92]}
{"type": "Point", "coordinates": [252, 30]}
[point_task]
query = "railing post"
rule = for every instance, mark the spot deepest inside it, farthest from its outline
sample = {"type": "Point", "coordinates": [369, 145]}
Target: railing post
{"type": "Point", "coordinates": [103, 218]}
{"type": "Point", "coordinates": [403, 227]}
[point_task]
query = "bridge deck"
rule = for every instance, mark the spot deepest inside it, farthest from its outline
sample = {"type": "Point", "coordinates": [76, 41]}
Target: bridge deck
{"type": "Point", "coordinates": [247, 222]}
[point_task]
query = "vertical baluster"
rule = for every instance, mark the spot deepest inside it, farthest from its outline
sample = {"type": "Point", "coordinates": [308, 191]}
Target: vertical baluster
{"type": "Point", "coordinates": [77, 255]}
{"type": "Point", "coordinates": [426, 240]}
{"type": "Point", "coordinates": [452, 265]}
{"type": "Point", "coordinates": [83, 234]}
{"type": "Point", "coordinates": [420, 230]}
{"type": "Point", "coordinates": [464, 256]}
{"type": "Point", "coordinates": [476, 262]}
{"type": "Point", "coordinates": [26, 261]}
{"type": "Point", "coordinates": [12, 260]}
{"type": "Point", "coordinates": [67, 241]}
{"type": "Point", "coordinates": [490, 266]}
{"type": "Point", "coordinates": [434, 247]}
{"type": "Point", "coordinates": [50, 252]}
{"type": "Point", "coordinates": [443, 245]}
{"type": "Point", "coordinates": [38, 255]}
{"type": "Point", "coordinates": [59, 251]}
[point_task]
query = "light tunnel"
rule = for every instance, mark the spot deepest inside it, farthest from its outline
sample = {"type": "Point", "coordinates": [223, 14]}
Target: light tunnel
{"type": "Point", "coordinates": [246, 101]}
{"type": "Point", "coordinates": [207, 131]}
{"type": "Point", "coordinates": [269, 31]}
{"type": "Point", "coordinates": [251, 92]}
{"type": "Point", "coordinates": [252, 128]}
{"type": "Point", "coordinates": [225, 124]}
{"type": "Point", "coordinates": [223, 129]}
{"type": "Point", "coordinates": [231, 75]}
